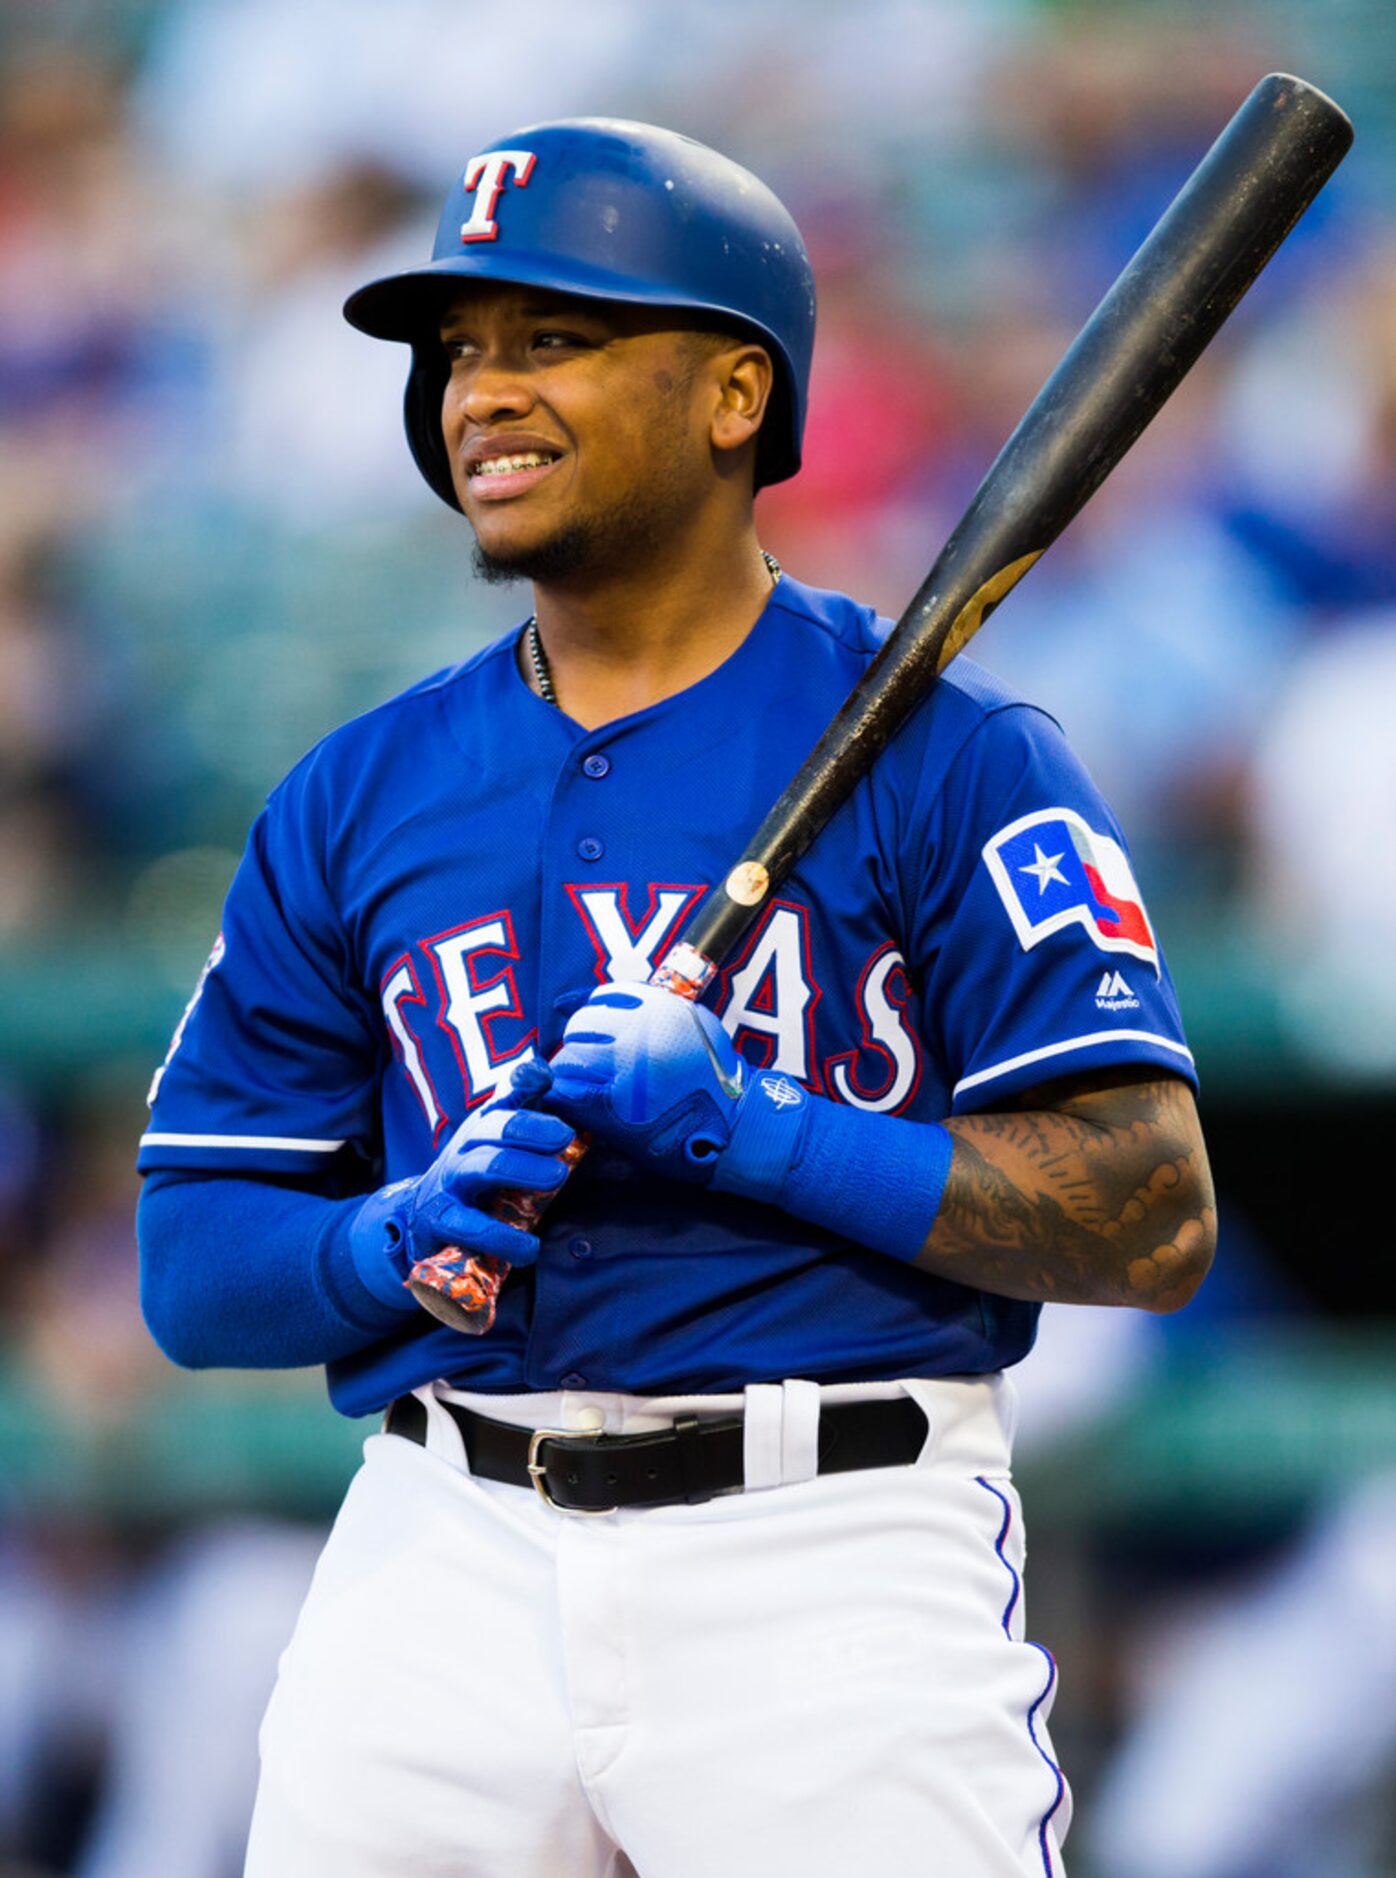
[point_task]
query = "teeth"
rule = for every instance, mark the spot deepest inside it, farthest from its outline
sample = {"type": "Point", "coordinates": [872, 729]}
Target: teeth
{"type": "Point", "coordinates": [501, 465]}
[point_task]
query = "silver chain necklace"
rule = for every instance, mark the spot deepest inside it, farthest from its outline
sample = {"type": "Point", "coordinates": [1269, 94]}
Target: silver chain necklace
{"type": "Point", "coordinates": [538, 658]}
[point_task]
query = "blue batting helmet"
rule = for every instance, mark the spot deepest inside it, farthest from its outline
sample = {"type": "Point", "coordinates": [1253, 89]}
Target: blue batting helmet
{"type": "Point", "coordinates": [608, 210]}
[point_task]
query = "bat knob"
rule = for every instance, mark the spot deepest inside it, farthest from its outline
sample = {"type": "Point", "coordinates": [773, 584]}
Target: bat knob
{"type": "Point", "coordinates": [459, 1289]}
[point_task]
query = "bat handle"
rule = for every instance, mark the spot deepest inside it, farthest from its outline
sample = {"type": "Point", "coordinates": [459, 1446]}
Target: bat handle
{"type": "Point", "coordinates": [462, 1288]}
{"type": "Point", "coordinates": [685, 971]}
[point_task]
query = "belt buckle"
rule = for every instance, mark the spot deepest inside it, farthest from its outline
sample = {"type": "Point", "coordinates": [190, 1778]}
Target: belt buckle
{"type": "Point", "coordinates": [538, 1472]}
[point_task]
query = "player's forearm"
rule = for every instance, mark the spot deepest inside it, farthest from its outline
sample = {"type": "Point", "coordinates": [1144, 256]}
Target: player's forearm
{"type": "Point", "coordinates": [1103, 1198]}
{"type": "Point", "coordinates": [242, 1274]}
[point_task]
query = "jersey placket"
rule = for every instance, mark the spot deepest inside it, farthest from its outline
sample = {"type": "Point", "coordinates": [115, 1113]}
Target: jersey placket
{"type": "Point", "coordinates": [578, 834]}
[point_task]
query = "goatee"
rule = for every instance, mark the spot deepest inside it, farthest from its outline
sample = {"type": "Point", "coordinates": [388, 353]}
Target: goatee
{"type": "Point", "coordinates": [565, 555]}
{"type": "Point", "coordinates": [627, 532]}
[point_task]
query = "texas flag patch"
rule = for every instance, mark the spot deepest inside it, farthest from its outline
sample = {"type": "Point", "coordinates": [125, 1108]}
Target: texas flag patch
{"type": "Point", "coordinates": [1052, 870]}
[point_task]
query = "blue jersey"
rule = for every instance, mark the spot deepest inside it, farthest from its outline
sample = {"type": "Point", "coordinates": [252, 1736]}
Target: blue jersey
{"type": "Point", "coordinates": [440, 883]}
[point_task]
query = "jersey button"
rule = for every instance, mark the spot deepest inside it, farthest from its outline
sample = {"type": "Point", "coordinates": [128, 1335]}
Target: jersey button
{"type": "Point", "coordinates": [590, 848]}
{"type": "Point", "coordinates": [597, 765]}
{"type": "Point", "coordinates": [574, 1380]}
{"type": "Point", "coordinates": [580, 1248]}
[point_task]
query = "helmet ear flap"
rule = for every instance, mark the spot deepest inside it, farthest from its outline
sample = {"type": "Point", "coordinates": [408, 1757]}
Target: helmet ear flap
{"type": "Point", "coordinates": [421, 411]}
{"type": "Point", "coordinates": [773, 438]}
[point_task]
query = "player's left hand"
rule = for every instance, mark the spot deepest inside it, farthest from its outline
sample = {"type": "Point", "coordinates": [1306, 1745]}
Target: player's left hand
{"type": "Point", "coordinates": [509, 1145]}
{"type": "Point", "coordinates": [659, 1079]}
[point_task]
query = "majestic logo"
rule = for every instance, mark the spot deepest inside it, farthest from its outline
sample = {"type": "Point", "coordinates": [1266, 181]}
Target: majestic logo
{"type": "Point", "coordinates": [1113, 994]}
{"type": "Point", "coordinates": [1053, 870]}
{"type": "Point", "coordinates": [486, 176]}
{"type": "Point", "coordinates": [783, 1093]}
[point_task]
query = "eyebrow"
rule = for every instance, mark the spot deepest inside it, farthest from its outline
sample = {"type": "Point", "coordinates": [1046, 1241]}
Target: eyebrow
{"type": "Point", "coordinates": [531, 310]}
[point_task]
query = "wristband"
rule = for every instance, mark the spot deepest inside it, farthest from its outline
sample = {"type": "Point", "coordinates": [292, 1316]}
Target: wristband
{"type": "Point", "coordinates": [876, 1179]}
{"type": "Point", "coordinates": [379, 1248]}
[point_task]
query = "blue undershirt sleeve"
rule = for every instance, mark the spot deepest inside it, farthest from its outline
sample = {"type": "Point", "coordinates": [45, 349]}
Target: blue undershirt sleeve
{"type": "Point", "coordinates": [252, 1274]}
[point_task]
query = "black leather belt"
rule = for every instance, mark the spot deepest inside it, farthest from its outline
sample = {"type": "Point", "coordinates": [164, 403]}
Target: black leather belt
{"type": "Point", "coordinates": [691, 1461]}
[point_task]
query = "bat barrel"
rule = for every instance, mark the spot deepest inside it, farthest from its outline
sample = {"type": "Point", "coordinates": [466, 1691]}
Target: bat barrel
{"type": "Point", "coordinates": [1209, 246]}
{"type": "Point", "coordinates": [1166, 307]}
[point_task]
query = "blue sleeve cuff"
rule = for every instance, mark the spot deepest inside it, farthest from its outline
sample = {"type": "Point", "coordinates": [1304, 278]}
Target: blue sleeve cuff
{"type": "Point", "coordinates": [872, 1178]}
{"type": "Point", "coordinates": [378, 1256]}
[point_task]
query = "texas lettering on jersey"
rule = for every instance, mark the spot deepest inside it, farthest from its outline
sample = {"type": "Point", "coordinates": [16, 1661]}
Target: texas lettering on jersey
{"type": "Point", "coordinates": [465, 984]}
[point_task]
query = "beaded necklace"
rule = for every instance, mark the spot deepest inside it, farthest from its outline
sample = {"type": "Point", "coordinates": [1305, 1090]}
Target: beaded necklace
{"type": "Point", "coordinates": [538, 658]}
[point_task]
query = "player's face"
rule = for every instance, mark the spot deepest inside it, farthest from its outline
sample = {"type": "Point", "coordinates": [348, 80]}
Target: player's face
{"type": "Point", "coordinates": [579, 432]}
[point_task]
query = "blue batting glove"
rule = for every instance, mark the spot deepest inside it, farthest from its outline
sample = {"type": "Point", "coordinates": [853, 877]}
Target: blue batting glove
{"type": "Point", "coordinates": [659, 1078]}
{"type": "Point", "coordinates": [503, 1144]}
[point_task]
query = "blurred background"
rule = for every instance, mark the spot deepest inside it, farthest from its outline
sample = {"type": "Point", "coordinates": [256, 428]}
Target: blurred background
{"type": "Point", "coordinates": [214, 547]}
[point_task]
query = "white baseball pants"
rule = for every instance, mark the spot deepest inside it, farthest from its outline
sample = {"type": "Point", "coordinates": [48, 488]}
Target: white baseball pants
{"type": "Point", "coordinates": [812, 1678]}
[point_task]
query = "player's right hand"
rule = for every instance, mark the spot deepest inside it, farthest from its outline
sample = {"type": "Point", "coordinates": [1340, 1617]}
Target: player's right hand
{"type": "Point", "coordinates": [503, 1144]}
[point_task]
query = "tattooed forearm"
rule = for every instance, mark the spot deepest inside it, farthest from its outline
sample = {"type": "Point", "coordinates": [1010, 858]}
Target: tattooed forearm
{"type": "Point", "coordinates": [1103, 1197]}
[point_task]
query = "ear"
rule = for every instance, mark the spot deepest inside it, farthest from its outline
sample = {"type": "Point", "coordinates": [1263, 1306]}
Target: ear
{"type": "Point", "coordinates": [744, 375]}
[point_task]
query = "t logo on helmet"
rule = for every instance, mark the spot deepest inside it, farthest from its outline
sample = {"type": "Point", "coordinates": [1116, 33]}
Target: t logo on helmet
{"type": "Point", "coordinates": [486, 175]}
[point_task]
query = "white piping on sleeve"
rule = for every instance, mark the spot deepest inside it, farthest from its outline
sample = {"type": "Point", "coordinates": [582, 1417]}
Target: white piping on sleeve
{"type": "Point", "coordinates": [293, 1142]}
{"type": "Point", "coordinates": [1064, 1049]}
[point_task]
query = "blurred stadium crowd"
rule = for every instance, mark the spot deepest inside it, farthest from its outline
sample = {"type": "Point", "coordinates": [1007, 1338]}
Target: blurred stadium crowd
{"type": "Point", "coordinates": [213, 547]}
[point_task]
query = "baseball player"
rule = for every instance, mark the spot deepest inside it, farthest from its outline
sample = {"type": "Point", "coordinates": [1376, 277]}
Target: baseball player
{"type": "Point", "coordinates": [706, 1558]}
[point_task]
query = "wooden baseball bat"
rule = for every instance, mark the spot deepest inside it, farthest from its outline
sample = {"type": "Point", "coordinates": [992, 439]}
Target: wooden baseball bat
{"type": "Point", "coordinates": [1205, 251]}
